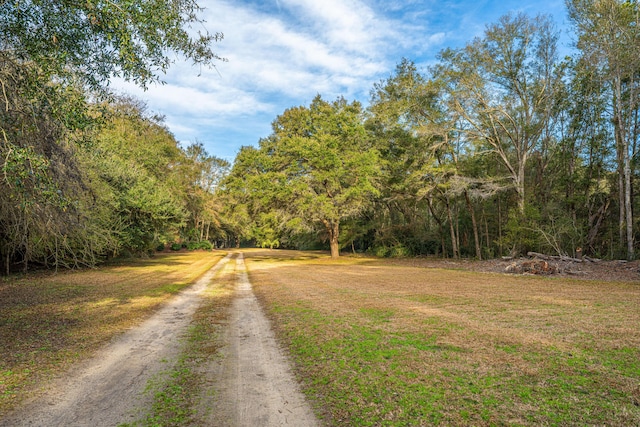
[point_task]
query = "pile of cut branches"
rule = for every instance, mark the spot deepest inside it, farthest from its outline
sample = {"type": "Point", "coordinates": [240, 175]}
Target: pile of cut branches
{"type": "Point", "coordinates": [538, 263]}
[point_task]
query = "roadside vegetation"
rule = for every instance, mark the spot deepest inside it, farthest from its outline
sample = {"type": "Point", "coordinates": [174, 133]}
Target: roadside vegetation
{"type": "Point", "coordinates": [500, 147]}
{"type": "Point", "coordinates": [376, 343]}
{"type": "Point", "coordinates": [49, 321]}
{"type": "Point", "coordinates": [85, 174]}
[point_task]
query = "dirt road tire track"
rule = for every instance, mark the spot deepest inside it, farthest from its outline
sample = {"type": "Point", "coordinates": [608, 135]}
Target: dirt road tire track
{"type": "Point", "coordinates": [108, 389]}
{"type": "Point", "coordinates": [255, 386]}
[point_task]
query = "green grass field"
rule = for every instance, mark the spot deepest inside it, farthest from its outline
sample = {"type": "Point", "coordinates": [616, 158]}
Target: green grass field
{"type": "Point", "coordinates": [381, 344]}
{"type": "Point", "coordinates": [50, 321]}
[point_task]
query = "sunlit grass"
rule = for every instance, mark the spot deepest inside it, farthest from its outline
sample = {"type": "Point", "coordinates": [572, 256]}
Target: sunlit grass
{"type": "Point", "coordinates": [49, 321]}
{"type": "Point", "coordinates": [378, 343]}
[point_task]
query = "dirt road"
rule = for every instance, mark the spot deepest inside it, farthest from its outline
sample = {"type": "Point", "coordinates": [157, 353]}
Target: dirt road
{"type": "Point", "coordinates": [255, 387]}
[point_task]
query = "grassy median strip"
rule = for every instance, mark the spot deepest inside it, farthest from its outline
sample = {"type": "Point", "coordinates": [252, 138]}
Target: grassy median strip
{"type": "Point", "coordinates": [382, 344]}
{"type": "Point", "coordinates": [182, 395]}
{"type": "Point", "coordinates": [48, 321]}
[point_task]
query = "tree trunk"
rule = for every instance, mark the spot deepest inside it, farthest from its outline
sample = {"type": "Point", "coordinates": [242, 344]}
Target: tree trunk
{"type": "Point", "coordinates": [628, 206]}
{"type": "Point", "coordinates": [621, 179]}
{"type": "Point", "coordinates": [474, 224]}
{"type": "Point", "coordinates": [440, 226]}
{"type": "Point", "coordinates": [334, 243]}
{"type": "Point", "coordinates": [500, 253]}
{"type": "Point", "coordinates": [454, 240]}
{"type": "Point", "coordinates": [595, 221]}
{"type": "Point", "coordinates": [486, 229]}
{"type": "Point", "coordinates": [520, 186]}
{"type": "Point", "coordinates": [621, 201]}
{"type": "Point", "coordinates": [457, 222]}
{"type": "Point", "coordinates": [333, 229]}
{"type": "Point", "coordinates": [335, 247]}
{"type": "Point", "coordinates": [626, 211]}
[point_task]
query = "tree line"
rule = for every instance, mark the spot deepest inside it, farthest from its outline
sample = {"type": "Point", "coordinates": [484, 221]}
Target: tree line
{"type": "Point", "coordinates": [500, 148]}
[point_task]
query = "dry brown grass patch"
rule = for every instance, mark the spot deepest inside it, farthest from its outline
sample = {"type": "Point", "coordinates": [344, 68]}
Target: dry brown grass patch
{"type": "Point", "coordinates": [398, 344]}
{"type": "Point", "coordinates": [49, 321]}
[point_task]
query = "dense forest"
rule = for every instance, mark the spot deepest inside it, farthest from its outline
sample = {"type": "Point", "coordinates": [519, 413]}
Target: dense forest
{"type": "Point", "coordinates": [87, 175]}
{"type": "Point", "coordinates": [500, 148]}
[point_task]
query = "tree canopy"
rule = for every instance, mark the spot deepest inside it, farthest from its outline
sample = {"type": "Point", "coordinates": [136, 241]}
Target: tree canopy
{"type": "Point", "coordinates": [316, 168]}
{"type": "Point", "coordinates": [498, 148]}
{"type": "Point", "coordinates": [98, 39]}
{"type": "Point", "coordinates": [70, 194]}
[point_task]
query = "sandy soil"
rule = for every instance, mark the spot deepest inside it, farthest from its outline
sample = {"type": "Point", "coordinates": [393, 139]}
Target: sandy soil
{"type": "Point", "coordinates": [256, 387]}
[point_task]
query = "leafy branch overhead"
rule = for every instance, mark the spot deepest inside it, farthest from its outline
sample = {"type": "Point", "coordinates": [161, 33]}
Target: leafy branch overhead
{"type": "Point", "coordinates": [98, 39]}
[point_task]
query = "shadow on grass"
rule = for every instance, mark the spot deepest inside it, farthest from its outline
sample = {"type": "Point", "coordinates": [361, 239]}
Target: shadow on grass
{"type": "Point", "coordinates": [48, 321]}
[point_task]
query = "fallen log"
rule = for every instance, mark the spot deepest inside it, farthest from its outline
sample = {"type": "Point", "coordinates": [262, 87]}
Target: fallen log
{"type": "Point", "coordinates": [539, 255]}
{"type": "Point", "coordinates": [553, 257]}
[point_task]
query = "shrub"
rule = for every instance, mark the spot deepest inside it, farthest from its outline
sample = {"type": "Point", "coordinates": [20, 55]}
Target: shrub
{"type": "Point", "coordinates": [399, 251]}
{"type": "Point", "coordinates": [204, 245]}
{"type": "Point", "coordinates": [381, 251]}
{"type": "Point", "coordinates": [125, 254]}
{"type": "Point", "coordinates": [520, 234]}
{"type": "Point", "coordinates": [275, 243]}
{"type": "Point", "coordinates": [176, 246]}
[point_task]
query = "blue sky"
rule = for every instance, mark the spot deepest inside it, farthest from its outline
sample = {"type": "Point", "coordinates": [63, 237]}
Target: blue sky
{"type": "Point", "coordinates": [281, 53]}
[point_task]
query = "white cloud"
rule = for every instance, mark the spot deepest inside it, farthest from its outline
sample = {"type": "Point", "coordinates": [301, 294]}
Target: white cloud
{"type": "Point", "coordinates": [281, 53]}
{"type": "Point", "coordinates": [195, 100]}
{"type": "Point", "coordinates": [290, 52]}
{"type": "Point", "coordinates": [352, 25]}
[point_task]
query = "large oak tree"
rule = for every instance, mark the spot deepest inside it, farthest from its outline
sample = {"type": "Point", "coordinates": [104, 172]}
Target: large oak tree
{"type": "Point", "coordinates": [317, 166]}
{"type": "Point", "coordinates": [504, 86]}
